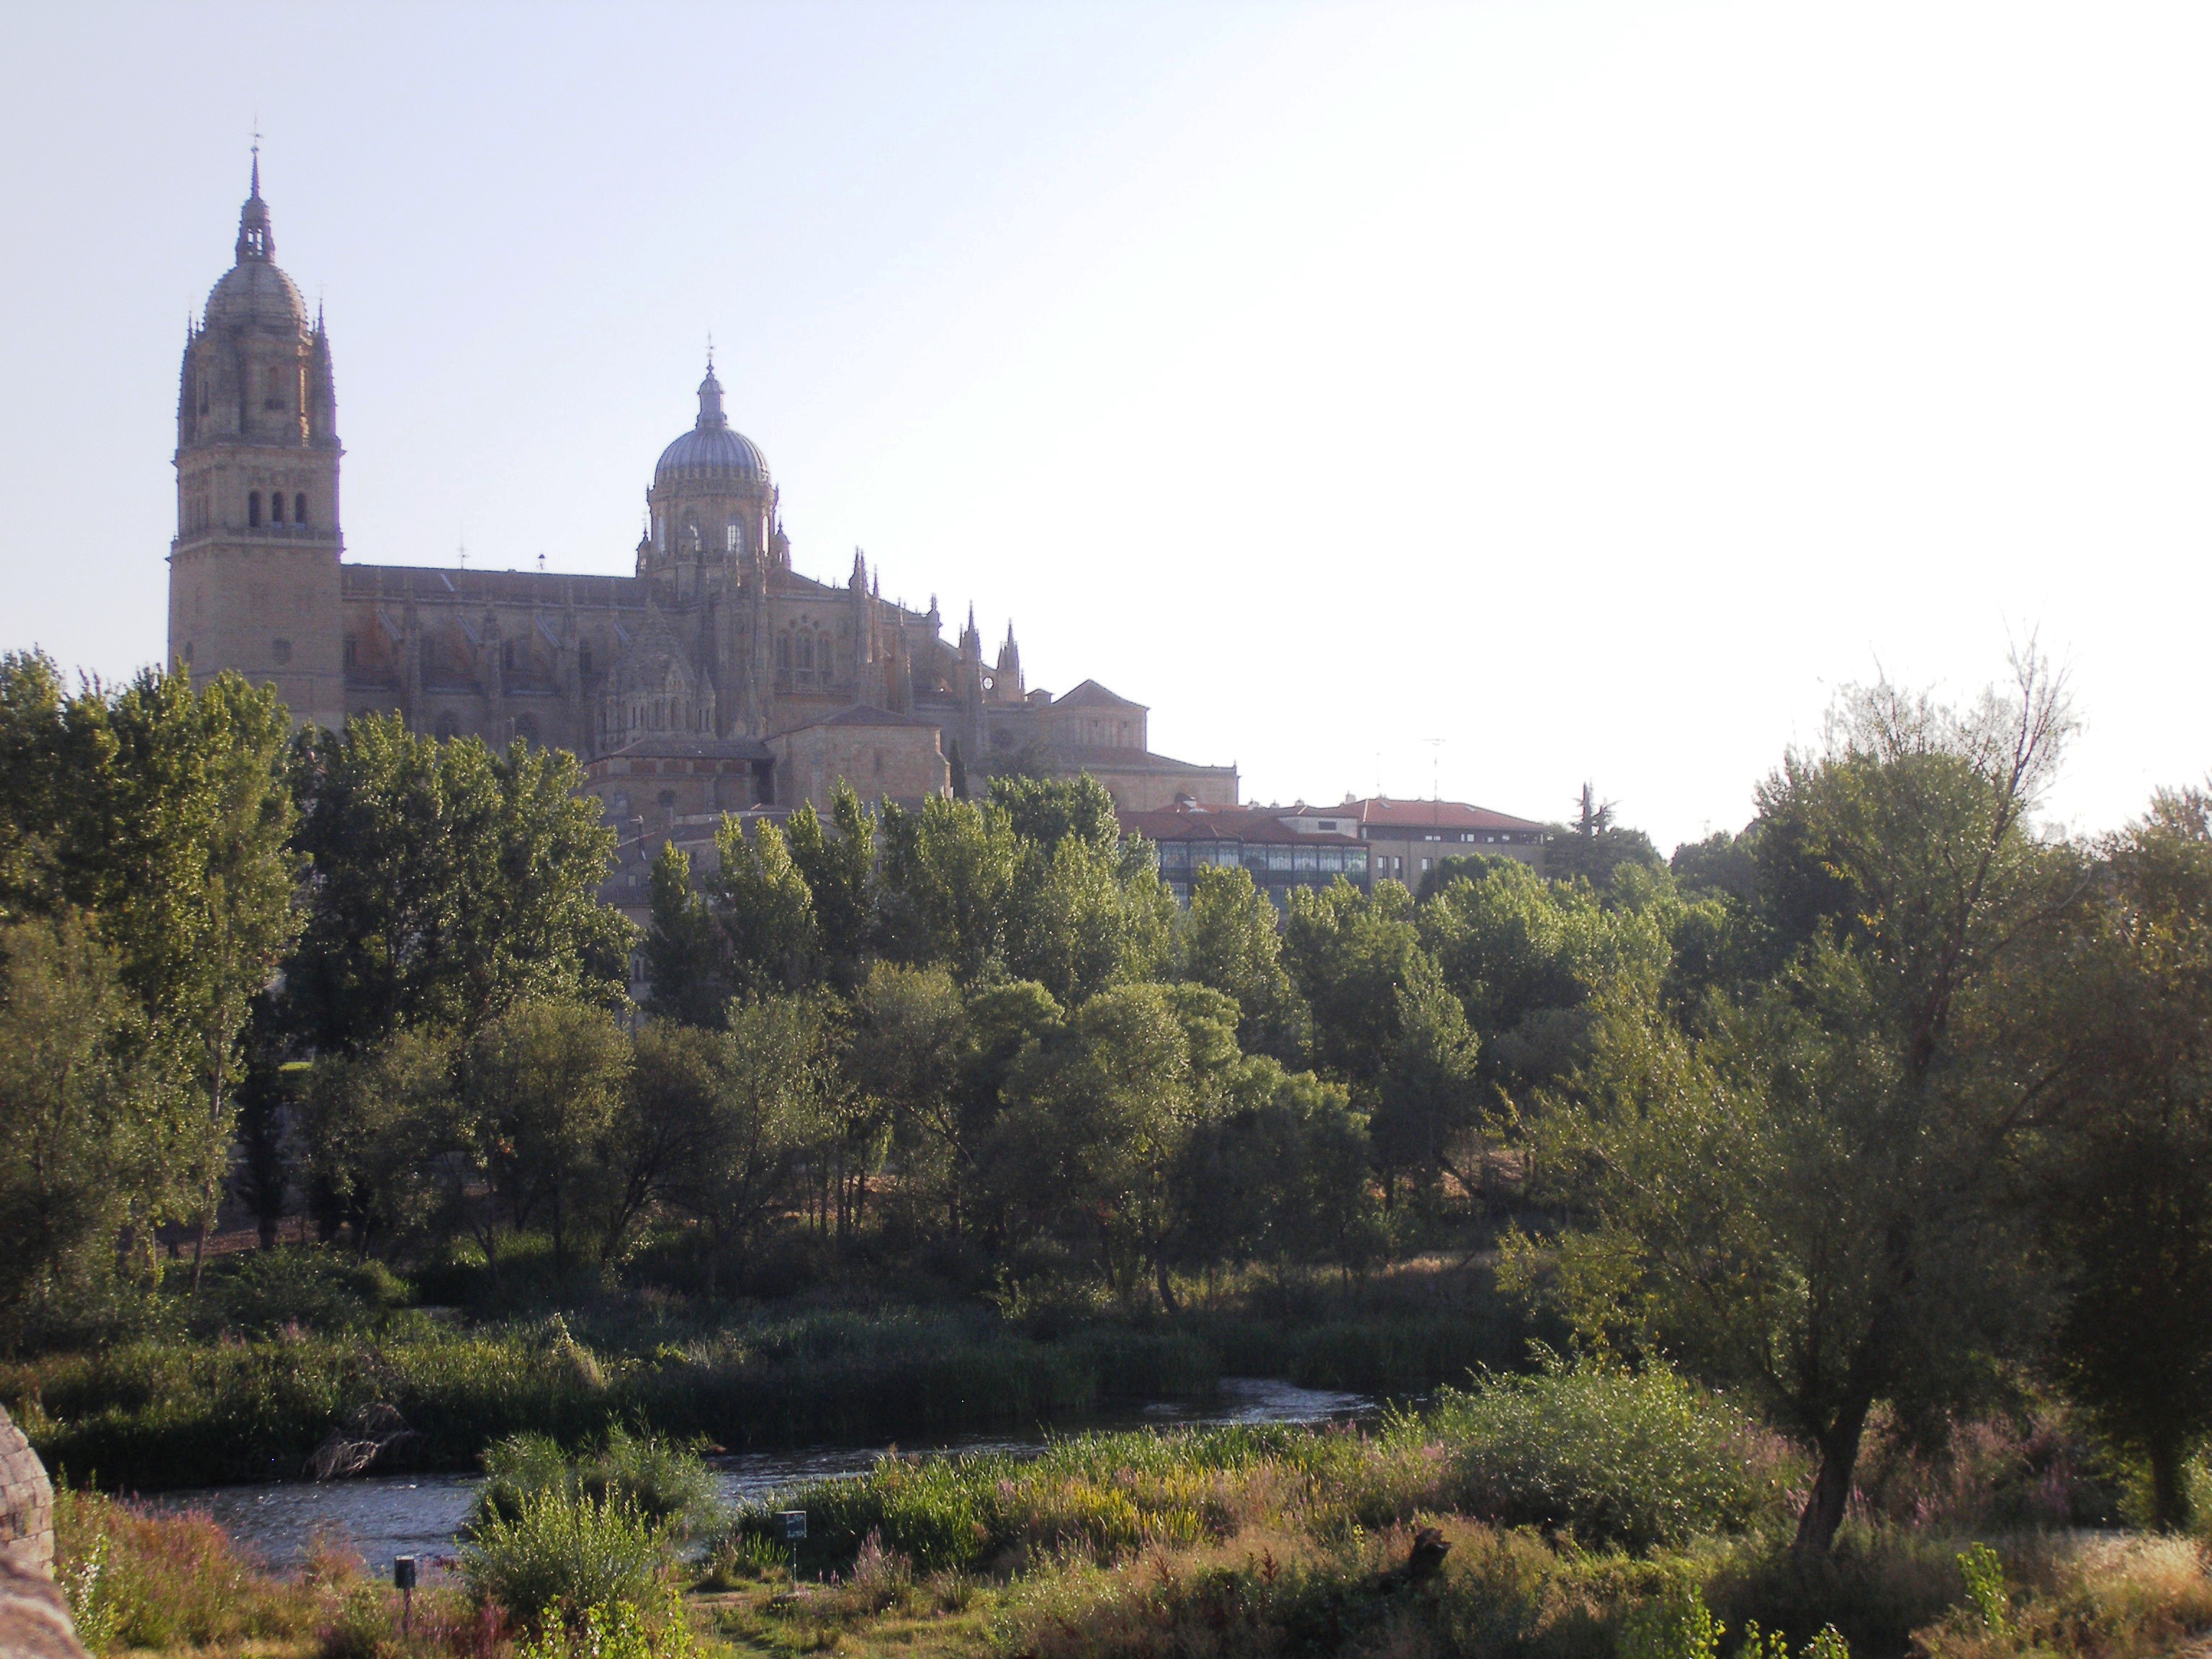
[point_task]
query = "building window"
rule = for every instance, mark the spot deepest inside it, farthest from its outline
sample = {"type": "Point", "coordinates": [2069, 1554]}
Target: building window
{"type": "Point", "coordinates": [660, 532]}
{"type": "Point", "coordinates": [281, 649]}
{"type": "Point", "coordinates": [276, 507]}
{"type": "Point", "coordinates": [448, 727]}
{"type": "Point", "coordinates": [299, 509]}
{"type": "Point", "coordinates": [737, 543]}
{"type": "Point", "coordinates": [506, 656]}
{"type": "Point", "coordinates": [668, 805]}
{"type": "Point", "coordinates": [584, 659]}
{"type": "Point", "coordinates": [253, 510]}
{"type": "Point", "coordinates": [525, 727]}
{"type": "Point", "coordinates": [352, 650]}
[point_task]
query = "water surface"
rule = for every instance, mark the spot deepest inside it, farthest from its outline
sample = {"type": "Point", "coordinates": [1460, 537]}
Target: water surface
{"type": "Point", "coordinates": [385, 1516]}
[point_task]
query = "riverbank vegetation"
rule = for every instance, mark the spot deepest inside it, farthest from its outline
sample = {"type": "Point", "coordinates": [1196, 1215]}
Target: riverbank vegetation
{"type": "Point", "coordinates": [1579, 1511]}
{"type": "Point", "coordinates": [1886, 1118]}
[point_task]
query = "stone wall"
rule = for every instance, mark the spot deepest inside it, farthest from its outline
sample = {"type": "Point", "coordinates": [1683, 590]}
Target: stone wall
{"type": "Point", "coordinates": [27, 1503]}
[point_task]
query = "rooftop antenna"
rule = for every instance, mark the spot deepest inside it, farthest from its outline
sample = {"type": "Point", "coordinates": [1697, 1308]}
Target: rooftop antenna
{"type": "Point", "coordinates": [464, 548]}
{"type": "Point", "coordinates": [1436, 767]}
{"type": "Point", "coordinates": [541, 564]}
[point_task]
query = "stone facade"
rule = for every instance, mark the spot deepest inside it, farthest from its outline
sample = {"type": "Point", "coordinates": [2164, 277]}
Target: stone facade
{"type": "Point", "coordinates": [27, 1503]}
{"type": "Point", "coordinates": [716, 639]}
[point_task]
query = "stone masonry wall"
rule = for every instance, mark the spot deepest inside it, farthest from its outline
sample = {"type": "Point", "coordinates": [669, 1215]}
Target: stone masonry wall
{"type": "Point", "coordinates": [27, 1503]}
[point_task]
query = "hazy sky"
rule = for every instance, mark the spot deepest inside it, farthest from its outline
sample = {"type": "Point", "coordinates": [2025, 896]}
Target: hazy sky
{"type": "Point", "coordinates": [1592, 389]}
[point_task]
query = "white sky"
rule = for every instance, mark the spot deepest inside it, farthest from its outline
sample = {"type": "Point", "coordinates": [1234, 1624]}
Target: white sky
{"type": "Point", "coordinates": [1591, 388]}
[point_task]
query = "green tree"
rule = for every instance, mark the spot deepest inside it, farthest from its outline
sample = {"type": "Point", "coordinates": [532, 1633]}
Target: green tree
{"type": "Point", "coordinates": [2124, 1179]}
{"type": "Point", "coordinates": [948, 874]}
{"type": "Point", "coordinates": [839, 870]}
{"type": "Point", "coordinates": [81, 1158]}
{"type": "Point", "coordinates": [1807, 1200]}
{"type": "Point", "coordinates": [688, 966]}
{"type": "Point", "coordinates": [449, 884]}
{"type": "Point", "coordinates": [1231, 941]}
{"type": "Point", "coordinates": [1281, 1174]}
{"type": "Point", "coordinates": [1593, 847]}
{"type": "Point", "coordinates": [383, 1137]}
{"type": "Point", "coordinates": [1348, 953]}
{"type": "Point", "coordinates": [1428, 1095]}
{"type": "Point", "coordinates": [539, 1092]}
{"type": "Point", "coordinates": [1097, 1117]}
{"type": "Point", "coordinates": [765, 909]}
{"type": "Point", "coordinates": [909, 1043]}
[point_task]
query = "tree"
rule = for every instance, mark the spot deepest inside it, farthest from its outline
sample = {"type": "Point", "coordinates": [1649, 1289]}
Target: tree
{"type": "Point", "coordinates": [1592, 847]}
{"type": "Point", "coordinates": [948, 874]}
{"type": "Point", "coordinates": [448, 884]}
{"type": "Point", "coordinates": [745, 1109]}
{"type": "Point", "coordinates": [909, 1035]}
{"type": "Point", "coordinates": [1807, 1200]}
{"type": "Point", "coordinates": [688, 973]}
{"type": "Point", "coordinates": [539, 1088]}
{"type": "Point", "coordinates": [201, 881]}
{"type": "Point", "coordinates": [1097, 1117]}
{"type": "Point", "coordinates": [81, 1158]}
{"type": "Point", "coordinates": [1347, 953]}
{"type": "Point", "coordinates": [840, 874]}
{"type": "Point", "coordinates": [1231, 940]}
{"type": "Point", "coordinates": [2124, 1180]}
{"type": "Point", "coordinates": [1428, 1096]}
{"type": "Point", "coordinates": [765, 909]}
{"type": "Point", "coordinates": [1279, 1174]}
{"type": "Point", "coordinates": [386, 1146]}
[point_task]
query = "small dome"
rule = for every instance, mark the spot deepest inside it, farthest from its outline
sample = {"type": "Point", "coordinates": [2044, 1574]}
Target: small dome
{"type": "Point", "coordinates": [255, 294]}
{"type": "Point", "coordinates": [711, 451]}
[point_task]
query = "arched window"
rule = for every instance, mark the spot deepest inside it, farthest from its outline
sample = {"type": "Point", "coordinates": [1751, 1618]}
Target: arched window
{"type": "Point", "coordinates": [507, 655]}
{"type": "Point", "coordinates": [806, 654]}
{"type": "Point", "coordinates": [660, 532]}
{"type": "Point", "coordinates": [448, 727]}
{"type": "Point", "coordinates": [253, 509]}
{"type": "Point", "coordinates": [737, 541]}
{"type": "Point", "coordinates": [584, 659]}
{"type": "Point", "coordinates": [281, 649]}
{"type": "Point", "coordinates": [276, 507]}
{"type": "Point", "coordinates": [525, 727]}
{"type": "Point", "coordinates": [668, 805]}
{"type": "Point", "coordinates": [783, 652]}
{"type": "Point", "coordinates": [299, 508]}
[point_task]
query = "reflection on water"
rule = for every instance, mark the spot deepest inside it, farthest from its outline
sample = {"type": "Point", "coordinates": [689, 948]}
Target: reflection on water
{"type": "Point", "coordinates": [418, 1515]}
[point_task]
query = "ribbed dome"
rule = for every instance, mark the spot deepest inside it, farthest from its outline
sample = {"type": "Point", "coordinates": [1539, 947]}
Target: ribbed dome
{"type": "Point", "coordinates": [254, 293]}
{"type": "Point", "coordinates": [711, 451]}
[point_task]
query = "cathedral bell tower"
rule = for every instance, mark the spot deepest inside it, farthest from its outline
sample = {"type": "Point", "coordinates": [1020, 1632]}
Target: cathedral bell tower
{"type": "Point", "coordinates": [253, 571]}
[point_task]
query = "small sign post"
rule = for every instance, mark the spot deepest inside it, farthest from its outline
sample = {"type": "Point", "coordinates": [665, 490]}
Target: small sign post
{"type": "Point", "coordinates": [403, 1580]}
{"type": "Point", "coordinates": [794, 1528]}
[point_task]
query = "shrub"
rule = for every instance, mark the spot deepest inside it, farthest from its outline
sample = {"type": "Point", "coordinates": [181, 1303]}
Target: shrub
{"type": "Point", "coordinates": [305, 1288]}
{"type": "Point", "coordinates": [1636, 1460]}
{"type": "Point", "coordinates": [557, 1550]}
{"type": "Point", "coordinates": [666, 1483]}
{"type": "Point", "coordinates": [137, 1580]}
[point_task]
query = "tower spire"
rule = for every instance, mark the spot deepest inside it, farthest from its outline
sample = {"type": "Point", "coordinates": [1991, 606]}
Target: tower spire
{"type": "Point", "coordinates": [255, 241]}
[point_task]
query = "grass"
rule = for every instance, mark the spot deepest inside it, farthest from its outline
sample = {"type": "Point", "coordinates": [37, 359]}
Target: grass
{"type": "Point", "coordinates": [305, 1342]}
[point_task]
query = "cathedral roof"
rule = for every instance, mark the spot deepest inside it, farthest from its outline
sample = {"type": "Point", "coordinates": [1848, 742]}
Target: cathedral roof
{"type": "Point", "coordinates": [712, 451]}
{"type": "Point", "coordinates": [254, 292]}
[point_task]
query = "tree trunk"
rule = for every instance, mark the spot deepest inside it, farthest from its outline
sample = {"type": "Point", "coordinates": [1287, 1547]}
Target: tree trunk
{"type": "Point", "coordinates": [1166, 1285]}
{"type": "Point", "coordinates": [1832, 1486]}
{"type": "Point", "coordinates": [2169, 1484]}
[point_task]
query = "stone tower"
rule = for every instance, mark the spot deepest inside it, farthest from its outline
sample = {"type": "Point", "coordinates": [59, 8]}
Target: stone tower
{"type": "Point", "coordinates": [253, 571]}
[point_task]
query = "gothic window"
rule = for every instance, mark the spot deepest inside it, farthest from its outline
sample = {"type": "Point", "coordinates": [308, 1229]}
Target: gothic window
{"type": "Point", "coordinates": [276, 507]}
{"type": "Point", "coordinates": [736, 541]}
{"type": "Point", "coordinates": [352, 650]}
{"type": "Point", "coordinates": [584, 659]}
{"type": "Point", "coordinates": [275, 398]}
{"type": "Point", "coordinates": [506, 656]}
{"type": "Point", "coordinates": [299, 509]}
{"type": "Point", "coordinates": [668, 805]}
{"type": "Point", "coordinates": [253, 510]}
{"type": "Point", "coordinates": [448, 727]}
{"type": "Point", "coordinates": [806, 654]}
{"type": "Point", "coordinates": [281, 649]}
{"type": "Point", "coordinates": [525, 727]}
{"type": "Point", "coordinates": [660, 532]}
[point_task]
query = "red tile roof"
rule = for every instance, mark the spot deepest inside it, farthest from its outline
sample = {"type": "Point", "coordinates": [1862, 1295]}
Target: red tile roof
{"type": "Point", "coordinates": [1381, 812]}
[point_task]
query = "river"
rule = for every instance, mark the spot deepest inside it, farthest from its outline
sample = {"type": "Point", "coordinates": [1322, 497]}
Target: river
{"type": "Point", "coordinates": [385, 1516]}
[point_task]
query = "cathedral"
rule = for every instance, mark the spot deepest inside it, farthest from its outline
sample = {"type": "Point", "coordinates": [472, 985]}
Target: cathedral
{"type": "Point", "coordinates": [717, 679]}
